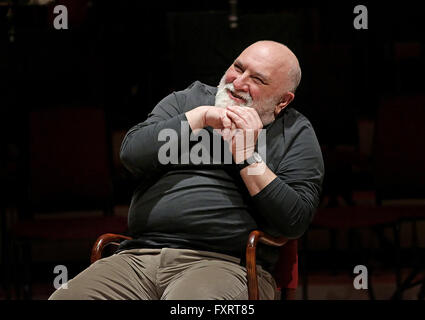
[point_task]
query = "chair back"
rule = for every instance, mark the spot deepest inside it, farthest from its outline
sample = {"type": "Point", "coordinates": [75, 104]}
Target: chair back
{"type": "Point", "coordinates": [286, 270]}
{"type": "Point", "coordinates": [399, 151]}
{"type": "Point", "coordinates": [69, 159]}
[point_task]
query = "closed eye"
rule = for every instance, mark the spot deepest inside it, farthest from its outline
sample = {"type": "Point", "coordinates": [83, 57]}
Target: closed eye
{"type": "Point", "coordinates": [238, 67]}
{"type": "Point", "coordinates": [259, 80]}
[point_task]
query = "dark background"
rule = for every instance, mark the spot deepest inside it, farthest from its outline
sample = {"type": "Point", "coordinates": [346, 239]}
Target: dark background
{"type": "Point", "coordinates": [125, 56]}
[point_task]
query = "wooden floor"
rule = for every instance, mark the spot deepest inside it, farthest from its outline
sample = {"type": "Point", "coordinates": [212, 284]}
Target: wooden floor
{"type": "Point", "coordinates": [322, 286]}
{"type": "Point", "coordinates": [325, 286]}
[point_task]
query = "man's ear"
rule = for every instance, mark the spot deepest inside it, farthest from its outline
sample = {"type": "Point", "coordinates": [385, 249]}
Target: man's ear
{"type": "Point", "coordinates": [286, 99]}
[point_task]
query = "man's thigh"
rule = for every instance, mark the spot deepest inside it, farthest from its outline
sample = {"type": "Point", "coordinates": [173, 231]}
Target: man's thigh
{"type": "Point", "coordinates": [216, 279]}
{"type": "Point", "coordinates": [123, 276]}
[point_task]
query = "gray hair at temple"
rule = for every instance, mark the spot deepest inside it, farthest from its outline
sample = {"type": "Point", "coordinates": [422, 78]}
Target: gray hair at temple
{"type": "Point", "coordinates": [294, 74]}
{"type": "Point", "coordinates": [290, 61]}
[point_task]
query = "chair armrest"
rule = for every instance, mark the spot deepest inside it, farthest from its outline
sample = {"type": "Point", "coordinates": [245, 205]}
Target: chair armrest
{"type": "Point", "coordinates": [102, 242]}
{"type": "Point", "coordinates": [251, 265]}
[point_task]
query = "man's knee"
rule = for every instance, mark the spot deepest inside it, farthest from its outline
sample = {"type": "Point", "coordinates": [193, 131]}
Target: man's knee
{"type": "Point", "coordinates": [209, 280]}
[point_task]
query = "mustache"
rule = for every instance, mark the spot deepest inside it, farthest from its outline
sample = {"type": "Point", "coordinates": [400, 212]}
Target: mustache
{"type": "Point", "coordinates": [222, 98]}
{"type": "Point", "coordinates": [244, 95]}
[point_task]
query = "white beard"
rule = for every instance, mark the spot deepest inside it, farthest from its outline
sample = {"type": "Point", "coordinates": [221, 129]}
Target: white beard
{"type": "Point", "coordinates": [265, 108]}
{"type": "Point", "coordinates": [222, 99]}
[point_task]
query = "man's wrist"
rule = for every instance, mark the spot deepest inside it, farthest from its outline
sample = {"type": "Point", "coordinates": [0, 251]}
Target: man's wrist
{"type": "Point", "coordinates": [253, 159]}
{"type": "Point", "coordinates": [196, 117]}
{"type": "Point", "coordinates": [241, 156]}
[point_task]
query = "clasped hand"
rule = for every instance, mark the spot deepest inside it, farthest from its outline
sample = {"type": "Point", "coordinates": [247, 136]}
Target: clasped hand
{"type": "Point", "coordinates": [239, 126]}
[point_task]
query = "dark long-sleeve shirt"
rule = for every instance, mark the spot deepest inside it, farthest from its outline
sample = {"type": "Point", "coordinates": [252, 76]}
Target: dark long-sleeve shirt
{"type": "Point", "coordinates": [207, 207]}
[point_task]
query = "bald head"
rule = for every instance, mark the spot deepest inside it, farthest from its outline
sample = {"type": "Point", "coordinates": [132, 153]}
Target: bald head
{"type": "Point", "coordinates": [284, 60]}
{"type": "Point", "coordinates": [264, 76]}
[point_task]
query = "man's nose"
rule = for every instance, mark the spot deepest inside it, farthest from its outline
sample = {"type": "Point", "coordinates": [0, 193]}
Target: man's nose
{"type": "Point", "coordinates": [240, 83]}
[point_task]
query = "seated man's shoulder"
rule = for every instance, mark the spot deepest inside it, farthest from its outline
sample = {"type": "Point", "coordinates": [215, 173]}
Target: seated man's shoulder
{"type": "Point", "coordinates": [298, 127]}
{"type": "Point", "coordinates": [200, 88]}
{"type": "Point", "coordinates": [293, 118]}
{"type": "Point", "coordinates": [195, 95]}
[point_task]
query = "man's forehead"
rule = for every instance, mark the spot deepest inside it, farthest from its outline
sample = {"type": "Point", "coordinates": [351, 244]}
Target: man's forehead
{"type": "Point", "coordinates": [260, 69]}
{"type": "Point", "coordinates": [262, 64]}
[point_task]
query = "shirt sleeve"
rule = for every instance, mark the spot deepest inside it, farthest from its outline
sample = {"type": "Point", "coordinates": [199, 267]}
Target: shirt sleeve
{"type": "Point", "coordinates": [140, 146]}
{"type": "Point", "coordinates": [288, 203]}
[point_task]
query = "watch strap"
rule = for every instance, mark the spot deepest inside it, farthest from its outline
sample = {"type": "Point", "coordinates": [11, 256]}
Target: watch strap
{"type": "Point", "coordinates": [254, 158]}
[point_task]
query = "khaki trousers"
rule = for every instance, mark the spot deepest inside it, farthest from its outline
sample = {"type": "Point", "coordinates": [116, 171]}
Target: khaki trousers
{"type": "Point", "coordinates": [166, 274]}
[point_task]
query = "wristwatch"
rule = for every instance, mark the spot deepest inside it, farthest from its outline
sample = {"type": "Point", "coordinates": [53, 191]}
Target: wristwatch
{"type": "Point", "coordinates": [255, 158]}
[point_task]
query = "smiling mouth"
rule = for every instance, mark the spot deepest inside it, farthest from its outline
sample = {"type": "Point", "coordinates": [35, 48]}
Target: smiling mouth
{"type": "Point", "coordinates": [235, 97]}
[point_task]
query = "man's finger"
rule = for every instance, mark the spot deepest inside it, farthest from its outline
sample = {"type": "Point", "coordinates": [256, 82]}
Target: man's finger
{"type": "Point", "coordinates": [255, 116]}
{"type": "Point", "coordinates": [225, 133]}
{"type": "Point", "coordinates": [225, 121]}
{"type": "Point", "coordinates": [240, 111]}
{"type": "Point", "coordinates": [238, 120]}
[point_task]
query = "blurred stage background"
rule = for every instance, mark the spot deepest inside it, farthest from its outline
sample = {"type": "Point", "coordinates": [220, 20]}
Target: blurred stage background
{"type": "Point", "coordinates": [363, 91]}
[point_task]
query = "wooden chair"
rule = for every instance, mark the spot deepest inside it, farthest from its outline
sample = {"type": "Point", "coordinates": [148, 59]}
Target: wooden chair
{"type": "Point", "coordinates": [68, 179]}
{"type": "Point", "coordinates": [399, 178]}
{"type": "Point", "coordinates": [286, 271]}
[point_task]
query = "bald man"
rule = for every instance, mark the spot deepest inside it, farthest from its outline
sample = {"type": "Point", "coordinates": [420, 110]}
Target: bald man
{"type": "Point", "coordinates": [191, 216]}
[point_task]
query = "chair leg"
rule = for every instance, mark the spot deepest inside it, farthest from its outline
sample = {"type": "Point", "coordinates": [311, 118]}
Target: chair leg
{"type": "Point", "coordinates": [304, 267]}
{"type": "Point", "coordinates": [333, 249]}
{"type": "Point", "coordinates": [288, 294]}
{"type": "Point", "coordinates": [367, 254]}
{"type": "Point", "coordinates": [27, 259]}
{"type": "Point", "coordinates": [7, 271]}
{"type": "Point", "coordinates": [22, 269]}
{"type": "Point", "coordinates": [421, 294]}
{"type": "Point", "coordinates": [398, 295]}
{"type": "Point", "coordinates": [5, 250]}
{"type": "Point", "coordinates": [407, 284]}
{"type": "Point", "coordinates": [16, 267]}
{"type": "Point", "coordinates": [370, 288]}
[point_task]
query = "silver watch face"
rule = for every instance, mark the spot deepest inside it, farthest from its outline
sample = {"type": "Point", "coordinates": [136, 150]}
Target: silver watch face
{"type": "Point", "coordinates": [257, 157]}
